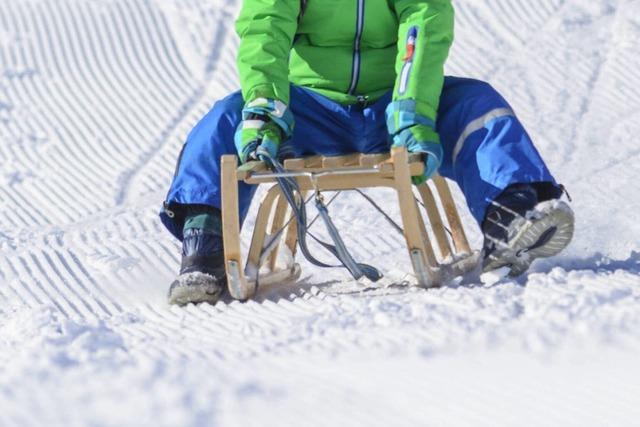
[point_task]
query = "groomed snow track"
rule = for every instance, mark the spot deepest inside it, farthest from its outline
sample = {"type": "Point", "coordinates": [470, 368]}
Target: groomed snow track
{"type": "Point", "coordinates": [96, 98]}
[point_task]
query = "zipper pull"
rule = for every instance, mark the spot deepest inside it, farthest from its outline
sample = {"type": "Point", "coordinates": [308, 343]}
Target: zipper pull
{"type": "Point", "coordinates": [363, 100]}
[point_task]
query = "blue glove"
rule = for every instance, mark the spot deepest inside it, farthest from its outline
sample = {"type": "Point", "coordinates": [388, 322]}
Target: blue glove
{"type": "Point", "coordinates": [265, 123]}
{"type": "Point", "coordinates": [417, 140]}
{"type": "Point", "coordinates": [417, 133]}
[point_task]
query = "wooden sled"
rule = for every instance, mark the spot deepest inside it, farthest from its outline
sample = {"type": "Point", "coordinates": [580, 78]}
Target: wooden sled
{"type": "Point", "coordinates": [394, 170]}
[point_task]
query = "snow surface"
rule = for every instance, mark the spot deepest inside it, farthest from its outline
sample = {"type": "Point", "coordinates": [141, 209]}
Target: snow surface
{"type": "Point", "coordinates": [96, 97]}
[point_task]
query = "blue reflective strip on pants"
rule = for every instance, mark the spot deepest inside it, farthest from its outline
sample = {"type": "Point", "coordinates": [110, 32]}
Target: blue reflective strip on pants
{"type": "Point", "coordinates": [478, 124]}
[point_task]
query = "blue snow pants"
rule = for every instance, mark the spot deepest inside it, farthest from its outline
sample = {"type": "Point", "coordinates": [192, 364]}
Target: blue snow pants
{"type": "Point", "coordinates": [485, 147]}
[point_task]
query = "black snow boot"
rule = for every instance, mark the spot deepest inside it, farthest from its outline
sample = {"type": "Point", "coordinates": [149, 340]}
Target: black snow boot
{"type": "Point", "coordinates": [202, 274]}
{"type": "Point", "coordinates": [527, 221]}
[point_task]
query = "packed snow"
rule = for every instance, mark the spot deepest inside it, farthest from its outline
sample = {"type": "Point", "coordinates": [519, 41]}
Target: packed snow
{"type": "Point", "coordinates": [96, 98]}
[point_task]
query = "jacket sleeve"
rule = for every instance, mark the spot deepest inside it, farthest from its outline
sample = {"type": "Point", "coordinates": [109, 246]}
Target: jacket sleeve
{"type": "Point", "coordinates": [424, 38]}
{"type": "Point", "coordinates": [266, 29]}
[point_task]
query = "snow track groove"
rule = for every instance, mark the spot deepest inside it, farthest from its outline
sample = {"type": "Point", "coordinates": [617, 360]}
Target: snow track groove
{"type": "Point", "coordinates": [162, 77]}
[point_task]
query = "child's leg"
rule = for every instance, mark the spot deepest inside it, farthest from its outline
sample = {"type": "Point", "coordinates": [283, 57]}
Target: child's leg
{"type": "Point", "coordinates": [197, 176]}
{"type": "Point", "coordinates": [486, 147]}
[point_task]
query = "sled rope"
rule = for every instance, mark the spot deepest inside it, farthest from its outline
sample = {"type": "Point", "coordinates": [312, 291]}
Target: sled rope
{"type": "Point", "coordinates": [379, 209]}
{"type": "Point", "coordinates": [388, 218]}
{"type": "Point", "coordinates": [275, 237]}
{"type": "Point", "coordinates": [293, 195]}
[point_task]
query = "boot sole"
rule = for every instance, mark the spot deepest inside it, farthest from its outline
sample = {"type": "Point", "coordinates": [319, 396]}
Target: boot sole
{"type": "Point", "coordinates": [546, 233]}
{"type": "Point", "coordinates": [189, 292]}
{"type": "Point", "coordinates": [193, 295]}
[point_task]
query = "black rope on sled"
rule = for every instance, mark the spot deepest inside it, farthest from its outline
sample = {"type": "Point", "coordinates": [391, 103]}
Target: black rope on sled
{"type": "Point", "coordinates": [290, 188]}
{"type": "Point", "coordinates": [275, 236]}
{"type": "Point", "coordinates": [445, 227]}
{"type": "Point", "coordinates": [379, 209]}
{"type": "Point", "coordinates": [388, 218]}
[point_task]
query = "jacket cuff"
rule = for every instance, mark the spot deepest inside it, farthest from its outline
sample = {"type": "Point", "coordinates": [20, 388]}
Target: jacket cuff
{"type": "Point", "coordinates": [269, 91]}
{"type": "Point", "coordinates": [405, 113]}
{"type": "Point", "coordinates": [276, 110]}
{"type": "Point", "coordinates": [417, 139]}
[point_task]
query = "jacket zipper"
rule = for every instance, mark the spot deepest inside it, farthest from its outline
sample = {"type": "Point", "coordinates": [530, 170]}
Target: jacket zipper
{"type": "Point", "coordinates": [303, 8]}
{"type": "Point", "coordinates": [355, 68]}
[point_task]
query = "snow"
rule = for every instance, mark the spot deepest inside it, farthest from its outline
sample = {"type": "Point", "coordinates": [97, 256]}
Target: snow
{"type": "Point", "coordinates": [96, 98]}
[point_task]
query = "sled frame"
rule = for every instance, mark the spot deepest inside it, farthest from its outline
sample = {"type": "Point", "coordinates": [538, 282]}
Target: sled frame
{"type": "Point", "coordinates": [432, 267]}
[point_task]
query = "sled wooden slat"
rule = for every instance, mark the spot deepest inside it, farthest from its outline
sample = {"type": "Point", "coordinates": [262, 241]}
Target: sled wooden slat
{"type": "Point", "coordinates": [279, 217]}
{"type": "Point", "coordinates": [313, 161]}
{"type": "Point", "coordinates": [294, 164]}
{"type": "Point", "coordinates": [370, 160]}
{"type": "Point", "coordinates": [336, 161]}
{"type": "Point", "coordinates": [237, 283]}
{"type": "Point", "coordinates": [420, 250]}
{"type": "Point", "coordinates": [453, 217]}
{"type": "Point", "coordinates": [291, 238]}
{"type": "Point", "coordinates": [351, 171]}
{"type": "Point", "coordinates": [260, 229]}
{"type": "Point", "coordinates": [306, 162]}
{"type": "Point", "coordinates": [435, 219]}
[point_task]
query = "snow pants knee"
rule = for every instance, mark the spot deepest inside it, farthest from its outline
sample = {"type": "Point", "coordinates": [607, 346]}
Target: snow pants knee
{"type": "Point", "coordinates": [485, 147]}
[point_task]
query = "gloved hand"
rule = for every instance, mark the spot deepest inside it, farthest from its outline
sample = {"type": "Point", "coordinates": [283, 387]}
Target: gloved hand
{"type": "Point", "coordinates": [417, 140]}
{"type": "Point", "coordinates": [265, 123]}
{"type": "Point", "coordinates": [416, 132]}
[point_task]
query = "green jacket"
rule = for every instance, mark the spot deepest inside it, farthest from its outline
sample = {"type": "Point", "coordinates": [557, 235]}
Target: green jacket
{"type": "Point", "coordinates": [347, 50]}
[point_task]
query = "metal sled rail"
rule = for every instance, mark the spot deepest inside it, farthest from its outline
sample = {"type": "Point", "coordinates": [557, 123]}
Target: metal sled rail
{"type": "Point", "coordinates": [295, 174]}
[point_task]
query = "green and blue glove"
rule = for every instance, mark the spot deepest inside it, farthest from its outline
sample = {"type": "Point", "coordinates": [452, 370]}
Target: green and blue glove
{"type": "Point", "coordinates": [417, 133]}
{"type": "Point", "coordinates": [266, 123]}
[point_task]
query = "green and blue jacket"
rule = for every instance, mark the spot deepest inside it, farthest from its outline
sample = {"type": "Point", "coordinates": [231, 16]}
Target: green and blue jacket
{"type": "Point", "coordinates": [351, 51]}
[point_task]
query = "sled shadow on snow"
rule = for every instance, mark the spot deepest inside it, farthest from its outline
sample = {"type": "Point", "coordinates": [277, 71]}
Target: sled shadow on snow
{"type": "Point", "coordinates": [306, 286]}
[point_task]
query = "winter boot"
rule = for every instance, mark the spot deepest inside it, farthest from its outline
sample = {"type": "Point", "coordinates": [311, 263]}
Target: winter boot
{"type": "Point", "coordinates": [202, 273]}
{"type": "Point", "coordinates": [527, 221]}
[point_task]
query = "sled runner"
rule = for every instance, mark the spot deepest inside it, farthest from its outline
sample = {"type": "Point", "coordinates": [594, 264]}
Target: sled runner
{"type": "Point", "coordinates": [276, 229]}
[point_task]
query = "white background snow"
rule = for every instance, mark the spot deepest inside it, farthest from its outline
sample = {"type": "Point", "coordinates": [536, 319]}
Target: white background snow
{"type": "Point", "coordinates": [96, 98]}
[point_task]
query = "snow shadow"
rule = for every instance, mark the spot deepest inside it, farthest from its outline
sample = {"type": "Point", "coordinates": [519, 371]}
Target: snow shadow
{"type": "Point", "coordinates": [598, 262]}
